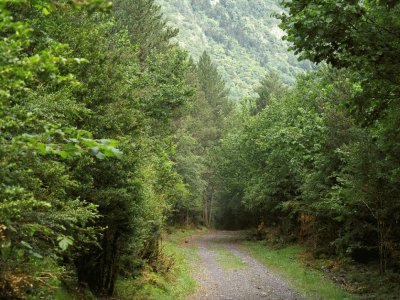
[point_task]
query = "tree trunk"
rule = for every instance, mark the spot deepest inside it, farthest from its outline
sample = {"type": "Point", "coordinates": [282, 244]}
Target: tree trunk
{"type": "Point", "coordinates": [382, 235]}
{"type": "Point", "coordinates": [210, 207]}
{"type": "Point", "coordinates": [206, 209]}
{"type": "Point", "coordinates": [98, 269]}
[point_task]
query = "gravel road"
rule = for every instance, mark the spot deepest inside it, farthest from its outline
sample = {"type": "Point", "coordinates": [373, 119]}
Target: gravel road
{"type": "Point", "coordinates": [251, 281]}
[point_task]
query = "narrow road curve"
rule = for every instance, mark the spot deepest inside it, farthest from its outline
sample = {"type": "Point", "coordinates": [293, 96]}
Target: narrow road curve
{"type": "Point", "coordinates": [227, 271]}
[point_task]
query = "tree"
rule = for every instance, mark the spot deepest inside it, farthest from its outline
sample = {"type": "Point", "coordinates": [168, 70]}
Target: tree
{"type": "Point", "coordinates": [270, 87]}
{"type": "Point", "coordinates": [145, 23]}
{"type": "Point", "coordinates": [212, 86]}
{"type": "Point", "coordinates": [360, 35]}
{"type": "Point", "coordinates": [66, 201]}
{"type": "Point", "coordinates": [40, 223]}
{"type": "Point", "coordinates": [200, 131]}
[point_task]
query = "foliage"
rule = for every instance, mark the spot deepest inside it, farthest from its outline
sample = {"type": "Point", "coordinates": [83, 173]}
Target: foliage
{"type": "Point", "coordinates": [359, 35]}
{"type": "Point", "coordinates": [175, 282]}
{"type": "Point", "coordinates": [243, 40]}
{"type": "Point", "coordinates": [199, 132]}
{"type": "Point", "coordinates": [73, 76]}
{"type": "Point", "coordinates": [308, 169]}
{"type": "Point", "coordinates": [317, 161]}
{"type": "Point", "coordinates": [109, 131]}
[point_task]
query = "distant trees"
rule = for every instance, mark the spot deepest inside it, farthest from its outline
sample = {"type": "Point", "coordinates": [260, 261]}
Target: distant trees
{"type": "Point", "coordinates": [202, 129]}
{"type": "Point", "coordinates": [243, 40]}
{"type": "Point", "coordinates": [212, 86]}
{"type": "Point", "coordinates": [270, 87]}
{"type": "Point", "coordinates": [145, 23]}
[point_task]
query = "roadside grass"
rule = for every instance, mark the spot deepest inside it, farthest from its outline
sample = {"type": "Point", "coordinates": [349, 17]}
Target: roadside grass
{"type": "Point", "coordinates": [286, 261]}
{"type": "Point", "coordinates": [175, 283]}
{"type": "Point", "coordinates": [227, 260]}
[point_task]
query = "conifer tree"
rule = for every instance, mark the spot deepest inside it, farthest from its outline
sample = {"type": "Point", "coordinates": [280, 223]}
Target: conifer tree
{"type": "Point", "coordinates": [145, 23]}
{"type": "Point", "coordinates": [212, 86]}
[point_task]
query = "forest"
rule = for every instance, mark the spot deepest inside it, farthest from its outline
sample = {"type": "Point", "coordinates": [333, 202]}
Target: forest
{"type": "Point", "coordinates": [242, 37]}
{"type": "Point", "coordinates": [111, 134]}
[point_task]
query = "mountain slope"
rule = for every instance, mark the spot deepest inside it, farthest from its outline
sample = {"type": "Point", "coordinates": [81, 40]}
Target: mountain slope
{"type": "Point", "coordinates": [242, 37]}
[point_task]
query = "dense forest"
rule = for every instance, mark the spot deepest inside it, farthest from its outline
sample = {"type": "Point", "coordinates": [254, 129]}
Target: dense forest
{"type": "Point", "coordinates": [242, 37]}
{"type": "Point", "coordinates": [111, 133]}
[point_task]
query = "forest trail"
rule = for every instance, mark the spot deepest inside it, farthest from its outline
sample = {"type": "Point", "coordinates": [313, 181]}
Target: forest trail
{"type": "Point", "coordinates": [226, 271]}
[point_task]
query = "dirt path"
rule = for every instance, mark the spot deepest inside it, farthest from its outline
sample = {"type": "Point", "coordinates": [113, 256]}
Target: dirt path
{"type": "Point", "coordinates": [227, 271]}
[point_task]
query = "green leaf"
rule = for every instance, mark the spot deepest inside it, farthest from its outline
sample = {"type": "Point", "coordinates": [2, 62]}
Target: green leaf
{"type": "Point", "coordinates": [64, 242]}
{"type": "Point", "coordinates": [35, 254]}
{"type": "Point", "coordinates": [42, 148]}
{"type": "Point", "coordinates": [45, 11]}
{"type": "Point", "coordinates": [26, 245]}
{"type": "Point", "coordinates": [118, 153]}
{"type": "Point", "coordinates": [63, 154]}
{"type": "Point", "coordinates": [100, 155]}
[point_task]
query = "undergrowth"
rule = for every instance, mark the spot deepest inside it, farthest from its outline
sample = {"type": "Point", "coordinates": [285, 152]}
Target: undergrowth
{"type": "Point", "coordinates": [326, 278]}
{"type": "Point", "coordinates": [173, 283]}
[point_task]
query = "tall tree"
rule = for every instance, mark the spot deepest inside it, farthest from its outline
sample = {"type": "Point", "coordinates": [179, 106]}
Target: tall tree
{"type": "Point", "coordinates": [62, 197]}
{"type": "Point", "coordinates": [212, 86]}
{"type": "Point", "coordinates": [271, 86]}
{"type": "Point", "coordinates": [145, 23]}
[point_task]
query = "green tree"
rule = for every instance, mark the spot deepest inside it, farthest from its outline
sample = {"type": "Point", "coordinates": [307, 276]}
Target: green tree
{"type": "Point", "coordinates": [200, 131]}
{"type": "Point", "coordinates": [270, 87]}
{"type": "Point", "coordinates": [362, 37]}
{"type": "Point", "coordinates": [212, 86]}
{"type": "Point", "coordinates": [71, 78]}
{"type": "Point", "coordinates": [145, 23]}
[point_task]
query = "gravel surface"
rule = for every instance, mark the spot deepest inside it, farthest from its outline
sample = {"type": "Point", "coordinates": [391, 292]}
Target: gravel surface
{"type": "Point", "coordinates": [254, 281]}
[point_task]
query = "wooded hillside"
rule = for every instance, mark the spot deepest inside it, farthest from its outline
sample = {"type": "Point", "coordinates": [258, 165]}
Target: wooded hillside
{"type": "Point", "coordinates": [242, 37]}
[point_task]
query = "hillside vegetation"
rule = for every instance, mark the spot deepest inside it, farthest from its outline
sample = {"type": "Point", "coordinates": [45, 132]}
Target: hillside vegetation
{"type": "Point", "coordinates": [242, 37]}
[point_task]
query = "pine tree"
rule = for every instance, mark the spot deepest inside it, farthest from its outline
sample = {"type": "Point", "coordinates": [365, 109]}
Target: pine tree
{"type": "Point", "coordinates": [145, 24]}
{"type": "Point", "coordinates": [271, 86]}
{"type": "Point", "coordinates": [212, 86]}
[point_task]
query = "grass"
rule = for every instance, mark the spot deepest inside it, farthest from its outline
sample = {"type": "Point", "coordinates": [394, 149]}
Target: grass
{"type": "Point", "coordinates": [177, 283]}
{"type": "Point", "coordinates": [286, 261]}
{"type": "Point", "coordinates": [227, 260]}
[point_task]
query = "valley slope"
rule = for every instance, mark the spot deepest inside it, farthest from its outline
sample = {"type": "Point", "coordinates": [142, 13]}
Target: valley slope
{"type": "Point", "coordinates": [242, 37]}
